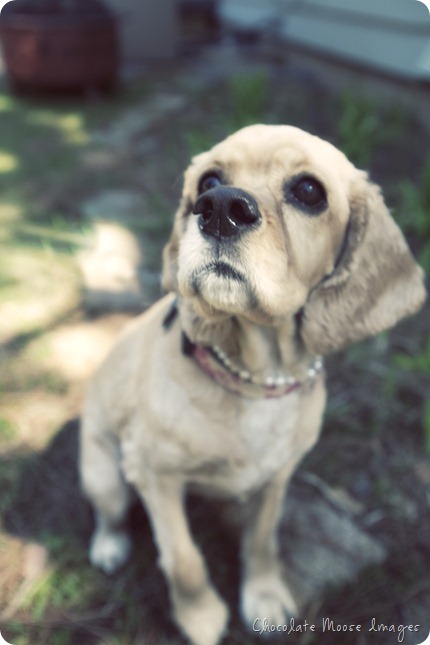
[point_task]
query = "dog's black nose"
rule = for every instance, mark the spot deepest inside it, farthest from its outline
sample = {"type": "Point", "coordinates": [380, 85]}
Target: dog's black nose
{"type": "Point", "coordinates": [225, 211]}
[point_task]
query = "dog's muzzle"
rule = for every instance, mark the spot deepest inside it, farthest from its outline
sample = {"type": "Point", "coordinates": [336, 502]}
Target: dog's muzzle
{"type": "Point", "coordinates": [226, 211]}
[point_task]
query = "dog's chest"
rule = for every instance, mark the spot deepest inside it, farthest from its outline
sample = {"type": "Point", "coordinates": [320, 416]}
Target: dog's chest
{"type": "Point", "coordinates": [223, 451]}
{"type": "Point", "coordinates": [258, 446]}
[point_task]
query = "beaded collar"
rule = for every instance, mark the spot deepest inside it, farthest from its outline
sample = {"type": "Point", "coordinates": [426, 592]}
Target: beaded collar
{"type": "Point", "coordinates": [216, 364]}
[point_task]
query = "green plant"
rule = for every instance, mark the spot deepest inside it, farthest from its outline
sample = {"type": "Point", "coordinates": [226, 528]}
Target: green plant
{"type": "Point", "coordinates": [418, 364]}
{"type": "Point", "coordinates": [413, 213]}
{"type": "Point", "coordinates": [198, 140]}
{"type": "Point", "coordinates": [426, 424]}
{"type": "Point", "coordinates": [357, 128]}
{"type": "Point", "coordinates": [248, 96]}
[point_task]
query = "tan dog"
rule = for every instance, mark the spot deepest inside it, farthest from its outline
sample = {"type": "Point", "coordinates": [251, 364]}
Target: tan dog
{"type": "Point", "coordinates": [281, 252]}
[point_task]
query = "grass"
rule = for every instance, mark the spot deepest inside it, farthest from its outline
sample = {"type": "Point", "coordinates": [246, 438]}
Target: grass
{"type": "Point", "coordinates": [54, 156]}
{"type": "Point", "coordinates": [415, 200]}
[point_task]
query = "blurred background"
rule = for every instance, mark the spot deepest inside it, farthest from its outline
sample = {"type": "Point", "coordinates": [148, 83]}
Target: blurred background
{"type": "Point", "coordinates": [101, 107]}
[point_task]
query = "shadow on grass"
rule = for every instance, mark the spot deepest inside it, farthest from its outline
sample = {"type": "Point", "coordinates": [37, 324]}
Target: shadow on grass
{"type": "Point", "coordinates": [48, 507]}
{"type": "Point", "coordinates": [83, 606]}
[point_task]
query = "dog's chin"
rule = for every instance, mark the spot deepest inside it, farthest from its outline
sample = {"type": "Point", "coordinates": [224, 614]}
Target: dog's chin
{"type": "Point", "coordinates": [219, 288]}
{"type": "Point", "coordinates": [223, 294]}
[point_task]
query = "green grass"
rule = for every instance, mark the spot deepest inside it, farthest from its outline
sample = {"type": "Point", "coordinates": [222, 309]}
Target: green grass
{"type": "Point", "coordinates": [7, 430]}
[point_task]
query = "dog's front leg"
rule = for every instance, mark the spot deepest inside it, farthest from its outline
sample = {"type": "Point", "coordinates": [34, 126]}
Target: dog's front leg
{"type": "Point", "coordinates": [199, 611]}
{"type": "Point", "coordinates": [264, 594]}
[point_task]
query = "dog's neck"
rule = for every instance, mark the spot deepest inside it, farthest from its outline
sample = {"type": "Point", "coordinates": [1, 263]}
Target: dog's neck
{"type": "Point", "coordinates": [270, 351]}
{"type": "Point", "coordinates": [263, 351]}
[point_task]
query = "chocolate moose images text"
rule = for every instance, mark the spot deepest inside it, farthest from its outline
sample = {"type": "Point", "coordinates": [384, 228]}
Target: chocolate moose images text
{"type": "Point", "coordinates": [263, 626]}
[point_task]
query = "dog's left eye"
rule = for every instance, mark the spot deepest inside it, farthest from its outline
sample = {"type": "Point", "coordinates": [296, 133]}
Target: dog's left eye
{"type": "Point", "coordinates": [208, 181]}
{"type": "Point", "coordinates": [309, 193]}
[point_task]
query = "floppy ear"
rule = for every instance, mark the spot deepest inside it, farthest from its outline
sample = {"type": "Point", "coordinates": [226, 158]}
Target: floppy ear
{"type": "Point", "coordinates": [375, 283]}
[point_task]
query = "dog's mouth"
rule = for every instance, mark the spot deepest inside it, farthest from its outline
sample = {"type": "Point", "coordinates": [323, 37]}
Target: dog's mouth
{"type": "Point", "coordinates": [224, 270]}
{"type": "Point", "coordinates": [217, 269]}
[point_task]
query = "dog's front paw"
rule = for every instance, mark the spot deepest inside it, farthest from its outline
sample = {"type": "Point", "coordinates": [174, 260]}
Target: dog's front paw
{"type": "Point", "coordinates": [202, 618]}
{"type": "Point", "coordinates": [266, 598]}
{"type": "Point", "coordinates": [109, 550]}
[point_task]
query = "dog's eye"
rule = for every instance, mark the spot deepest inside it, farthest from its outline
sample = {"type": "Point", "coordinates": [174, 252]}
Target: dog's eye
{"type": "Point", "coordinates": [208, 181]}
{"type": "Point", "coordinates": [310, 193]}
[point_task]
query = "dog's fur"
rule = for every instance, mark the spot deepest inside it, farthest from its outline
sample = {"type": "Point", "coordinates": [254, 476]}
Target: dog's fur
{"type": "Point", "coordinates": [294, 285]}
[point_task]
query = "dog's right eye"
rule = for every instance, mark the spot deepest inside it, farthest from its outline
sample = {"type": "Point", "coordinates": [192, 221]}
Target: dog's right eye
{"type": "Point", "coordinates": [208, 181]}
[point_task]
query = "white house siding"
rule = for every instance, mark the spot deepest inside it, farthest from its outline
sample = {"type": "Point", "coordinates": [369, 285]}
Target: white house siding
{"type": "Point", "coordinates": [388, 35]}
{"type": "Point", "coordinates": [250, 14]}
{"type": "Point", "coordinates": [250, 18]}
